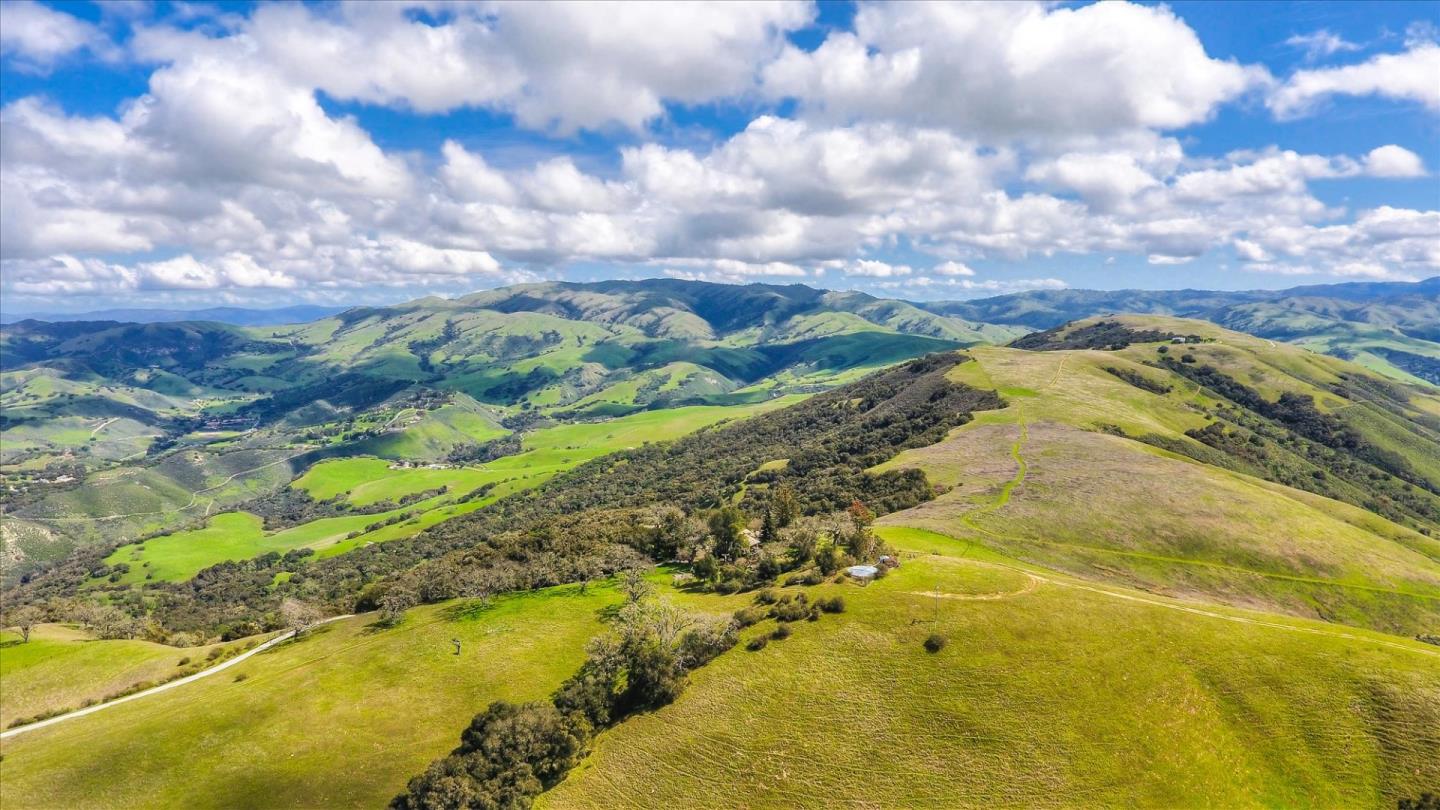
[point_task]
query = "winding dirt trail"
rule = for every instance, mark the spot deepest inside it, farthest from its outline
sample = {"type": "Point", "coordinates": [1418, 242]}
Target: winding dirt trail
{"type": "Point", "coordinates": [103, 425]}
{"type": "Point", "coordinates": [204, 673]}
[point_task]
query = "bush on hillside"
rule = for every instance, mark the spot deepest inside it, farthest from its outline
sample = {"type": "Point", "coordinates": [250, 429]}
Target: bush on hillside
{"type": "Point", "coordinates": [508, 755]}
{"type": "Point", "coordinates": [748, 616]}
{"type": "Point", "coordinates": [935, 643]}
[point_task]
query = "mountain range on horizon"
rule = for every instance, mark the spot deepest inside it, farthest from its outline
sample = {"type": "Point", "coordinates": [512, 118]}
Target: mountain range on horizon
{"type": "Point", "coordinates": [1049, 305]}
{"type": "Point", "coordinates": [1393, 327]}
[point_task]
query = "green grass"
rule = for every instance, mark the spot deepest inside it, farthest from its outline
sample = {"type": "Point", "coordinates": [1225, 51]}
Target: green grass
{"type": "Point", "coordinates": [365, 481]}
{"type": "Point", "coordinates": [1059, 696]}
{"type": "Point", "coordinates": [546, 453]}
{"type": "Point", "coordinates": [62, 667]}
{"type": "Point", "coordinates": [436, 433]}
{"type": "Point", "coordinates": [1036, 480]}
{"type": "Point", "coordinates": [341, 719]}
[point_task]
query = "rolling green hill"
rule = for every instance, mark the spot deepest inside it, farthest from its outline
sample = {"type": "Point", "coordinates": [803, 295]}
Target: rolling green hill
{"type": "Point", "coordinates": [116, 431]}
{"type": "Point", "coordinates": [1051, 691]}
{"type": "Point", "coordinates": [1389, 327]}
{"type": "Point", "coordinates": [1174, 487]}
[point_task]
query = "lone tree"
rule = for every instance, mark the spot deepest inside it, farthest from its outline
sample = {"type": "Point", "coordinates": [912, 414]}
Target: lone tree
{"type": "Point", "coordinates": [25, 620]}
{"type": "Point", "coordinates": [786, 506]}
{"type": "Point", "coordinates": [299, 615]}
{"type": "Point", "coordinates": [395, 602]}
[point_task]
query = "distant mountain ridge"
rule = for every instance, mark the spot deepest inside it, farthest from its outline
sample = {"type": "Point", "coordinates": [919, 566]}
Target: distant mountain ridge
{"type": "Point", "coordinates": [1390, 327]}
{"type": "Point", "coordinates": [1045, 309]}
{"type": "Point", "coordinates": [236, 316]}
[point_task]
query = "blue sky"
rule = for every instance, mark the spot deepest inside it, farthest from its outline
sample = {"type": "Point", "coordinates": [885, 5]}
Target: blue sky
{"type": "Point", "coordinates": [199, 154]}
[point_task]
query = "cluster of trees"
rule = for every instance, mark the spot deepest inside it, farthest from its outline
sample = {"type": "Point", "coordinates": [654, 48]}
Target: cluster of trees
{"type": "Point", "coordinates": [1139, 380]}
{"type": "Point", "coordinates": [815, 545]}
{"type": "Point", "coordinates": [291, 507]}
{"type": "Point", "coordinates": [507, 445]}
{"type": "Point", "coordinates": [510, 753]}
{"type": "Point", "coordinates": [1111, 335]}
{"type": "Point", "coordinates": [1290, 441]}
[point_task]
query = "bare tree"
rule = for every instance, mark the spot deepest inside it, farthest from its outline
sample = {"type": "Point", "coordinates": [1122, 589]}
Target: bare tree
{"type": "Point", "coordinates": [299, 615]}
{"type": "Point", "coordinates": [395, 602]}
{"type": "Point", "coordinates": [107, 621]}
{"type": "Point", "coordinates": [636, 586]}
{"type": "Point", "coordinates": [25, 620]}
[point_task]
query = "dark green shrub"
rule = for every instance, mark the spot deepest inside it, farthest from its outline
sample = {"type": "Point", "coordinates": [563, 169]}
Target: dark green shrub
{"type": "Point", "coordinates": [757, 644]}
{"type": "Point", "coordinates": [700, 646]}
{"type": "Point", "coordinates": [508, 755]}
{"type": "Point", "coordinates": [782, 631]}
{"type": "Point", "coordinates": [748, 616]}
{"type": "Point", "coordinates": [791, 609]}
{"type": "Point", "coordinates": [705, 569]}
{"type": "Point", "coordinates": [935, 643]}
{"type": "Point", "coordinates": [729, 586]}
{"type": "Point", "coordinates": [832, 604]}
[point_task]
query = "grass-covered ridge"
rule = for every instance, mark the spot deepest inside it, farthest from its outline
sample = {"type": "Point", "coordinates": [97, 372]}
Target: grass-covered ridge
{"type": "Point", "coordinates": [1119, 483]}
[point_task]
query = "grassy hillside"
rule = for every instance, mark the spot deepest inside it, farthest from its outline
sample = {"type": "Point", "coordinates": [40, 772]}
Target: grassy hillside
{"type": "Point", "coordinates": [1089, 472]}
{"type": "Point", "coordinates": [1050, 692]}
{"type": "Point", "coordinates": [339, 719]}
{"type": "Point", "coordinates": [62, 668]}
{"type": "Point", "coordinates": [1388, 327]}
